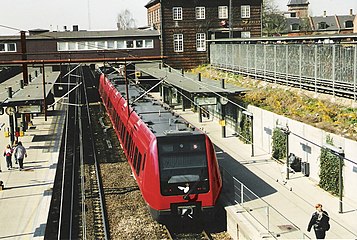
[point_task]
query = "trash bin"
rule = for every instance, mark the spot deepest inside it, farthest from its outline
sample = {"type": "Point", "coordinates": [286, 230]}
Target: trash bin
{"type": "Point", "coordinates": [305, 168]}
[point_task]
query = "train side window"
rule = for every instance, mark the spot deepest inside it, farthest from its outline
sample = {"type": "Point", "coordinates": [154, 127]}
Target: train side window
{"type": "Point", "coordinates": [142, 168]}
{"type": "Point", "coordinates": [138, 165]}
{"type": "Point", "coordinates": [135, 157]}
{"type": "Point", "coordinates": [123, 134]}
{"type": "Point", "coordinates": [130, 146]}
{"type": "Point", "coordinates": [128, 142]}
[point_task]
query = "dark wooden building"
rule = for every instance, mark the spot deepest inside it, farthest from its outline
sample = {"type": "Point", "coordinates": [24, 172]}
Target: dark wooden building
{"type": "Point", "coordinates": [186, 25]}
{"type": "Point", "coordinates": [91, 45]}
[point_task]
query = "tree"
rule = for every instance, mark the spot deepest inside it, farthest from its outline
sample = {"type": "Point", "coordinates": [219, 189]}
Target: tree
{"type": "Point", "coordinates": [274, 22]}
{"type": "Point", "coordinates": [125, 20]}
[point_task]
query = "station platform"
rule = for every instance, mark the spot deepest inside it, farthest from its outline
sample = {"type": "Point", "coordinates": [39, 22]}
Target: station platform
{"type": "Point", "coordinates": [290, 202]}
{"type": "Point", "coordinates": [26, 197]}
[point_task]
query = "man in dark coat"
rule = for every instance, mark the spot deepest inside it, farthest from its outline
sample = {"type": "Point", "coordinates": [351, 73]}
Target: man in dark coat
{"type": "Point", "coordinates": [320, 222]}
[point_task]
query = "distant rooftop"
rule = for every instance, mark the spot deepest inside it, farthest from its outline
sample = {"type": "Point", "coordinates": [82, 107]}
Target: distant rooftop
{"type": "Point", "coordinates": [298, 2]}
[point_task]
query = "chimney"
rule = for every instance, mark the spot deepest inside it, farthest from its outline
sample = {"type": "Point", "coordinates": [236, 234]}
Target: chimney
{"type": "Point", "coordinates": [75, 28]}
{"type": "Point", "coordinates": [351, 11]}
{"type": "Point", "coordinates": [325, 13]}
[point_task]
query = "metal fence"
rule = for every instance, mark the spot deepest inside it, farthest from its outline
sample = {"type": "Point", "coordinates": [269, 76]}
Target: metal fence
{"type": "Point", "coordinates": [275, 224]}
{"type": "Point", "coordinates": [329, 68]}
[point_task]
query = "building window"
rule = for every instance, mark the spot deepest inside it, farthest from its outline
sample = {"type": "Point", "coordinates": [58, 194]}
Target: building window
{"type": "Point", "coordinates": [295, 27]}
{"type": "Point", "coordinates": [201, 42]}
{"type": "Point", "coordinates": [322, 25]}
{"type": "Point", "coordinates": [177, 13]}
{"type": "Point", "coordinates": [293, 14]}
{"type": "Point", "coordinates": [349, 24]}
{"type": "Point", "coordinates": [120, 44]}
{"type": "Point", "coordinates": [200, 13]}
{"type": "Point", "coordinates": [7, 47]}
{"type": "Point", "coordinates": [139, 43]}
{"type": "Point", "coordinates": [103, 45]}
{"type": "Point", "coordinates": [129, 44]}
{"type": "Point", "coordinates": [245, 11]}
{"type": "Point", "coordinates": [111, 44]}
{"type": "Point", "coordinates": [178, 42]}
{"type": "Point", "coordinates": [11, 47]}
{"type": "Point", "coordinates": [149, 43]}
{"type": "Point", "coordinates": [245, 34]}
{"type": "Point", "coordinates": [223, 12]}
{"type": "Point", "coordinates": [72, 46]}
{"type": "Point", "coordinates": [158, 15]}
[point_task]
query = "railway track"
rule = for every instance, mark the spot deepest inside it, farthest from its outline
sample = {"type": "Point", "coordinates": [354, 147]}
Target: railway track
{"type": "Point", "coordinates": [78, 200]}
{"type": "Point", "coordinates": [94, 217]}
{"type": "Point", "coordinates": [189, 231]}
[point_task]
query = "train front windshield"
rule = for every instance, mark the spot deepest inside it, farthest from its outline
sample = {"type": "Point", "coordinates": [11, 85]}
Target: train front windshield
{"type": "Point", "coordinates": [183, 165]}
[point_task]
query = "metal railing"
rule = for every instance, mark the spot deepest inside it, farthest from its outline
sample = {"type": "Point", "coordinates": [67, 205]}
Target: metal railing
{"type": "Point", "coordinates": [265, 216]}
{"type": "Point", "coordinates": [328, 68]}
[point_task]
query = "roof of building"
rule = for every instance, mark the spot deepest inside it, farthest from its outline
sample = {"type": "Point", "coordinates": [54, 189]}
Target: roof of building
{"type": "Point", "coordinates": [151, 2]}
{"type": "Point", "coordinates": [188, 82]}
{"type": "Point", "coordinates": [342, 19]}
{"type": "Point", "coordinates": [90, 34]}
{"type": "Point", "coordinates": [330, 23]}
{"type": "Point", "coordinates": [298, 2]}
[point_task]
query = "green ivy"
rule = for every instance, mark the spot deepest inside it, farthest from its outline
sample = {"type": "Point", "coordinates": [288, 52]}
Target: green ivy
{"type": "Point", "coordinates": [245, 126]}
{"type": "Point", "coordinates": [279, 144]}
{"type": "Point", "coordinates": [329, 170]}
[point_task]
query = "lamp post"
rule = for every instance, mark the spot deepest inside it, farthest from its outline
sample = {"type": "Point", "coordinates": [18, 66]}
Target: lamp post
{"type": "Point", "coordinates": [286, 131]}
{"type": "Point", "coordinates": [250, 116]}
{"type": "Point", "coordinates": [341, 154]}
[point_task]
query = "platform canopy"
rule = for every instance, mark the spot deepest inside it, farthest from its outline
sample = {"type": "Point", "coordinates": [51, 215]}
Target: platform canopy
{"type": "Point", "coordinates": [187, 81]}
{"type": "Point", "coordinates": [31, 94]}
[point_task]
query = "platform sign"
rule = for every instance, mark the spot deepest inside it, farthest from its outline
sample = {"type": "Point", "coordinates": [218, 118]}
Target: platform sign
{"type": "Point", "coordinates": [202, 101]}
{"type": "Point", "coordinates": [29, 109]}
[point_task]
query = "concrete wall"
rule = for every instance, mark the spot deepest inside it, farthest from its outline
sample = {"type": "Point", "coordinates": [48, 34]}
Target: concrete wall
{"type": "Point", "coordinates": [302, 142]}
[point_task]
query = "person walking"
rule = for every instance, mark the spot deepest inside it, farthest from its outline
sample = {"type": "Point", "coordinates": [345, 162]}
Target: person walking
{"type": "Point", "coordinates": [20, 154]}
{"type": "Point", "coordinates": [14, 145]}
{"type": "Point", "coordinates": [320, 221]}
{"type": "Point", "coordinates": [8, 155]}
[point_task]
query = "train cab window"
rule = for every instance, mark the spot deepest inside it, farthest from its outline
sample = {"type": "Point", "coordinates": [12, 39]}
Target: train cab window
{"type": "Point", "coordinates": [183, 161]}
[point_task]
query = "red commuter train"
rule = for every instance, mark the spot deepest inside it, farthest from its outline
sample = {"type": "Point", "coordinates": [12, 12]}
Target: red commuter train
{"type": "Point", "coordinates": [173, 163]}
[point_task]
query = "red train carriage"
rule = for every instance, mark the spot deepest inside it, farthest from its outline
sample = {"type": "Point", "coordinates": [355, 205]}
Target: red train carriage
{"type": "Point", "coordinates": [174, 165]}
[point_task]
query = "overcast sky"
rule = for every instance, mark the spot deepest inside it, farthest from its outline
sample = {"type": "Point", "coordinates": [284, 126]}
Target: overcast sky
{"type": "Point", "coordinates": [102, 14]}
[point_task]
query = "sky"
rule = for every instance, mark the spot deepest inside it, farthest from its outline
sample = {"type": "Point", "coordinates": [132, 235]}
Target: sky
{"type": "Point", "coordinates": [102, 14]}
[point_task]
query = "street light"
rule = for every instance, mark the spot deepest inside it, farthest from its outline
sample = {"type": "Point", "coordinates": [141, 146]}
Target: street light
{"type": "Point", "coordinates": [286, 131]}
{"type": "Point", "coordinates": [341, 154]}
{"type": "Point", "coordinates": [250, 116]}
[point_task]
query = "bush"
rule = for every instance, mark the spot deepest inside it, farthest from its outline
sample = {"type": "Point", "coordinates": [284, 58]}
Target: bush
{"type": "Point", "coordinates": [279, 144]}
{"type": "Point", "coordinates": [329, 170]}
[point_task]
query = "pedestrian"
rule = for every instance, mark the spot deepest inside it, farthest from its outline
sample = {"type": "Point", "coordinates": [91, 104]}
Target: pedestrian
{"type": "Point", "coordinates": [14, 145]}
{"type": "Point", "coordinates": [8, 155]}
{"type": "Point", "coordinates": [20, 154]}
{"type": "Point", "coordinates": [320, 222]}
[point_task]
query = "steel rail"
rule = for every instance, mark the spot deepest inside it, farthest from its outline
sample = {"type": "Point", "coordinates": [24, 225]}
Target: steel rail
{"type": "Point", "coordinates": [103, 214]}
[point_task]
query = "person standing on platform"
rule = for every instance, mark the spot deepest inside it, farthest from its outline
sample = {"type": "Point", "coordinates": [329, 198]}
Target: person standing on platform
{"type": "Point", "coordinates": [8, 155]}
{"type": "Point", "coordinates": [320, 222]}
{"type": "Point", "coordinates": [20, 154]}
{"type": "Point", "coordinates": [14, 145]}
